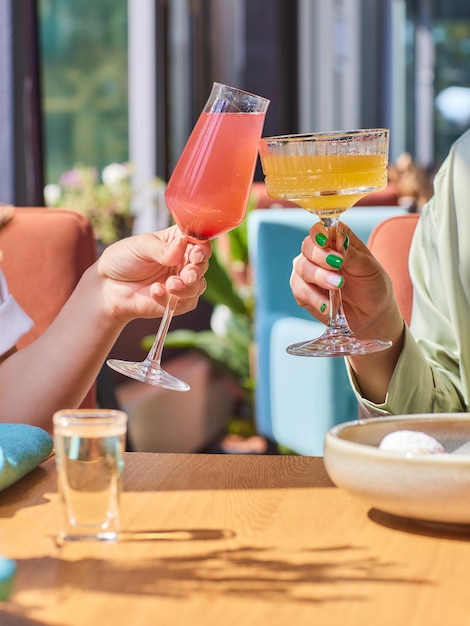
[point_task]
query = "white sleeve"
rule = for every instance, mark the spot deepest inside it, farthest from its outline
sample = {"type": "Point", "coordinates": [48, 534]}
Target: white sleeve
{"type": "Point", "coordinates": [14, 322]}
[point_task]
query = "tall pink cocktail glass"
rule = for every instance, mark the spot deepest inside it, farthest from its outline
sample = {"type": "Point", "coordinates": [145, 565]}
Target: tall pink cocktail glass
{"type": "Point", "coordinates": [207, 195]}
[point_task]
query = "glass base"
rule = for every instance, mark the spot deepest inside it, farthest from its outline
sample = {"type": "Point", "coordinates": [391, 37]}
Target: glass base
{"type": "Point", "coordinates": [69, 537]}
{"type": "Point", "coordinates": [334, 343]}
{"type": "Point", "coordinates": [148, 372]}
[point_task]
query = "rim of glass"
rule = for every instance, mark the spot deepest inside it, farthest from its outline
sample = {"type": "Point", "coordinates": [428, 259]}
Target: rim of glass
{"type": "Point", "coordinates": [242, 91]}
{"type": "Point", "coordinates": [89, 416]}
{"type": "Point", "coordinates": [332, 134]}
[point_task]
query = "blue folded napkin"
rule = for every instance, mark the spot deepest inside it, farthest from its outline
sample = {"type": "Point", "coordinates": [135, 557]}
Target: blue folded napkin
{"type": "Point", "coordinates": [22, 448]}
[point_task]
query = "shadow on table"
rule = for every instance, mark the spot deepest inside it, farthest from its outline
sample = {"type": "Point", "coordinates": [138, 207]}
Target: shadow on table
{"type": "Point", "coordinates": [192, 534]}
{"type": "Point", "coordinates": [12, 619]}
{"type": "Point", "coordinates": [456, 532]}
{"type": "Point", "coordinates": [17, 496]}
{"type": "Point", "coordinates": [304, 576]}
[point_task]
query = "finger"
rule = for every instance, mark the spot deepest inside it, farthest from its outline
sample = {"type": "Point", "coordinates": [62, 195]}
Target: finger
{"type": "Point", "coordinates": [318, 251]}
{"type": "Point", "coordinates": [198, 253]}
{"type": "Point", "coordinates": [319, 273]}
{"type": "Point", "coordinates": [173, 243]}
{"type": "Point", "coordinates": [310, 297]}
{"type": "Point", "coordinates": [191, 273]}
{"type": "Point", "coordinates": [342, 240]}
{"type": "Point", "coordinates": [320, 236]}
{"type": "Point", "coordinates": [157, 247]}
{"type": "Point", "coordinates": [194, 288]}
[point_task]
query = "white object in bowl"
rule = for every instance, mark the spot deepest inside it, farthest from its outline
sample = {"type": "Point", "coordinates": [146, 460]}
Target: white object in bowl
{"type": "Point", "coordinates": [412, 441]}
{"type": "Point", "coordinates": [433, 487]}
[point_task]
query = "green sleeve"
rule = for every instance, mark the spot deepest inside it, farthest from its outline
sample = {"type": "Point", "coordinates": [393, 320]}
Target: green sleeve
{"type": "Point", "coordinates": [433, 371]}
{"type": "Point", "coordinates": [415, 387]}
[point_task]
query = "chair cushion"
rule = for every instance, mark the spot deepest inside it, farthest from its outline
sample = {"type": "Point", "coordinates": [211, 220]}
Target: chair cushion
{"type": "Point", "coordinates": [44, 253]}
{"type": "Point", "coordinates": [308, 395]}
{"type": "Point", "coordinates": [390, 243]}
{"type": "Point", "coordinates": [52, 247]}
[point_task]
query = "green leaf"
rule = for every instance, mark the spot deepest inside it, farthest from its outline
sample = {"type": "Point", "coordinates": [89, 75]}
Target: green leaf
{"type": "Point", "coordinates": [220, 287]}
{"type": "Point", "coordinates": [238, 237]}
{"type": "Point", "coordinates": [238, 244]}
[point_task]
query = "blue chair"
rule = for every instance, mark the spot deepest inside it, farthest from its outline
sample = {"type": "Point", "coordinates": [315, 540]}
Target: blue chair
{"type": "Point", "coordinates": [297, 400]}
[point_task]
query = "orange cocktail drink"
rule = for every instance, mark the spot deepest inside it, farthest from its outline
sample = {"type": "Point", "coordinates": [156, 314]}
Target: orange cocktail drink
{"type": "Point", "coordinates": [326, 173]}
{"type": "Point", "coordinates": [324, 184]}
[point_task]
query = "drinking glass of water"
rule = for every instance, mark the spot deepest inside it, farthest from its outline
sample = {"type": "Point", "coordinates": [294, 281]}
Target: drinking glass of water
{"type": "Point", "coordinates": [89, 447]}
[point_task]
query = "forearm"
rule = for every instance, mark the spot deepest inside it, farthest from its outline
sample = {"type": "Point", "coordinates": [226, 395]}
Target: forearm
{"type": "Point", "coordinates": [57, 370]}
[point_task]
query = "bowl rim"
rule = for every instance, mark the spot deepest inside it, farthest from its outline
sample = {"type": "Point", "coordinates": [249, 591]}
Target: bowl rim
{"type": "Point", "coordinates": [333, 438]}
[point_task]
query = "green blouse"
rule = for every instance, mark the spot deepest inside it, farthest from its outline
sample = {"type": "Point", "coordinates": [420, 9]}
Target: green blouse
{"type": "Point", "coordinates": [433, 372]}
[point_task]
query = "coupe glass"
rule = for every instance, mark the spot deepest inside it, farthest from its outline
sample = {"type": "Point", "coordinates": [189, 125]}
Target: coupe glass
{"type": "Point", "coordinates": [326, 174]}
{"type": "Point", "coordinates": [207, 195]}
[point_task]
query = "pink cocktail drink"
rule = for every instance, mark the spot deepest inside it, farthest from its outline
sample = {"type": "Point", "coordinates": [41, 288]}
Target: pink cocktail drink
{"type": "Point", "coordinates": [207, 195]}
{"type": "Point", "coordinates": [209, 189]}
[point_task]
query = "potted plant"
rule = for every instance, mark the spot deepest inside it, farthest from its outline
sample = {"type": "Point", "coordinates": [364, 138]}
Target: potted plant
{"type": "Point", "coordinates": [106, 199]}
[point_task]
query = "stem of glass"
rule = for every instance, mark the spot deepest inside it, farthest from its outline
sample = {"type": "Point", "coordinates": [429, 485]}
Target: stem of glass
{"type": "Point", "coordinates": [337, 322]}
{"type": "Point", "coordinates": [154, 356]}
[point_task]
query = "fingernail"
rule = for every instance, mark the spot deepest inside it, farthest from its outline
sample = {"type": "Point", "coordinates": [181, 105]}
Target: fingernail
{"type": "Point", "coordinates": [346, 241]}
{"type": "Point", "coordinates": [334, 261]}
{"type": "Point", "coordinates": [323, 308]}
{"type": "Point", "coordinates": [191, 277]}
{"type": "Point", "coordinates": [336, 281]}
{"type": "Point", "coordinates": [197, 256]}
{"type": "Point", "coordinates": [321, 239]}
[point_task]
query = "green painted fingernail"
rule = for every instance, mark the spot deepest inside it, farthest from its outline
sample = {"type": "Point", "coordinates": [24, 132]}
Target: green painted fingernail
{"type": "Point", "coordinates": [346, 241]}
{"type": "Point", "coordinates": [323, 308]}
{"type": "Point", "coordinates": [334, 261]}
{"type": "Point", "coordinates": [341, 282]}
{"type": "Point", "coordinates": [321, 239]}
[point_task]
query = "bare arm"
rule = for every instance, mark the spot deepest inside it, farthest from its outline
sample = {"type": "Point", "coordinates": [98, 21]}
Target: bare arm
{"type": "Point", "coordinates": [130, 280]}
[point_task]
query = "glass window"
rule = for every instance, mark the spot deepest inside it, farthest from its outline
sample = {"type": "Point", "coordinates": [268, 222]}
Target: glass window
{"type": "Point", "coordinates": [84, 83]}
{"type": "Point", "coordinates": [443, 72]}
{"type": "Point", "coordinates": [451, 36]}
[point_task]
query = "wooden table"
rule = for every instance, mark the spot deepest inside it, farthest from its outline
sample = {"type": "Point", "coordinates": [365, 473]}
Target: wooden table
{"type": "Point", "coordinates": [232, 540]}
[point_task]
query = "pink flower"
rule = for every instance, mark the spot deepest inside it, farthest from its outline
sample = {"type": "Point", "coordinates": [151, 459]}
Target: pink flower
{"type": "Point", "coordinates": [74, 179]}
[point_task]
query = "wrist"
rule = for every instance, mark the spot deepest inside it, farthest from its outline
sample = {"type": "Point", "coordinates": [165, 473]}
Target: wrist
{"type": "Point", "coordinates": [96, 303]}
{"type": "Point", "coordinates": [373, 372]}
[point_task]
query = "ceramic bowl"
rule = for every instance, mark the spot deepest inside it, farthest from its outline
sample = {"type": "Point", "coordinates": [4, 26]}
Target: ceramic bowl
{"type": "Point", "coordinates": [433, 487]}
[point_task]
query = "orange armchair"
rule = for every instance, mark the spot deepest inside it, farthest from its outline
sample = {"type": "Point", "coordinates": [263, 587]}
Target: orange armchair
{"type": "Point", "coordinates": [390, 243]}
{"type": "Point", "coordinates": [44, 253]}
